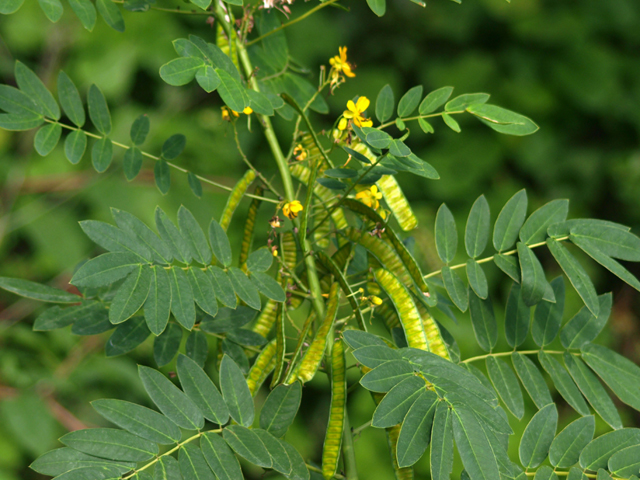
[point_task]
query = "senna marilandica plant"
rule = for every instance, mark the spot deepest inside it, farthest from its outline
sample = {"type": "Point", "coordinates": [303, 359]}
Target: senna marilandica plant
{"type": "Point", "coordinates": [334, 266]}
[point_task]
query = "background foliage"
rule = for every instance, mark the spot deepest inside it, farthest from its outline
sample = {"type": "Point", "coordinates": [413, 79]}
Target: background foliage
{"type": "Point", "coordinates": [570, 66]}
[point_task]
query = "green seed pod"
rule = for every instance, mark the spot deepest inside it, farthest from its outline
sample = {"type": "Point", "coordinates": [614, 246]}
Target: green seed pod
{"type": "Point", "coordinates": [337, 411]}
{"type": "Point", "coordinates": [389, 315]}
{"type": "Point", "coordinates": [249, 227]}
{"type": "Point", "coordinates": [321, 235]}
{"type": "Point", "coordinates": [407, 259]}
{"type": "Point", "coordinates": [337, 273]}
{"type": "Point", "coordinates": [234, 198]}
{"type": "Point", "coordinates": [383, 252]}
{"type": "Point", "coordinates": [223, 42]}
{"type": "Point", "coordinates": [290, 374]}
{"type": "Point", "coordinates": [264, 364]}
{"type": "Point", "coordinates": [312, 358]}
{"type": "Point", "coordinates": [434, 337]}
{"type": "Point", "coordinates": [406, 307]}
{"type": "Point", "coordinates": [289, 250]}
{"type": "Point", "coordinates": [397, 202]}
{"type": "Point", "coordinates": [281, 346]}
{"type": "Point", "coordinates": [266, 319]}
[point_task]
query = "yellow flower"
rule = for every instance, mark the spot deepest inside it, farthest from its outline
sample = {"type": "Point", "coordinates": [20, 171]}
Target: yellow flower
{"type": "Point", "coordinates": [228, 114]}
{"type": "Point", "coordinates": [299, 153]}
{"type": "Point", "coordinates": [370, 197]}
{"type": "Point", "coordinates": [340, 64]}
{"type": "Point", "coordinates": [291, 209]}
{"type": "Point", "coordinates": [355, 112]}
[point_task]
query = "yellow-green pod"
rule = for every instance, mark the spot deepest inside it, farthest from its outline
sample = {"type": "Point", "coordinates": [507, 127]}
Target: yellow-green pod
{"type": "Point", "coordinates": [266, 319]}
{"type": "Point", "coordinates": [405, 473]}
{"type": "Point", "coordinates": [343, 255]}
{"type": "Point", "coordinates": [313, 152]}
{"type": "Point", "coordinates": [400, 248]}
{"type": "Point", "coordinates": [312, 358]}
{"type": "Point", "coordinates": [264, 364]}
{"type": "Point", "coordinates": [281, 346]}
{"type": "Point", "coordinates": [372, 286]}
{"type": "Point", "coordinates": [397, 202]}
{"type": "Point", "coordinates": [303, 174]}
{"type": "Point", "coordinates": [249, 227]}
{"type": "Point", "coordinates": [406, 307]}
{"type": "Point", "coordinates": [223, 42]}
{"type": "Point", "coordinates": [289, 250]}
{"type": "Point", "coordinates": [321, 235]}
{"type": "Point", "coordinates": [290, 376]}
{"type": "Point", "coordinates": [389, 315]}
{"type": "Point", "coordinates": [337, 411]}
{"type": "Point", "coordinates": [346, 288]}
{"type": "Point", "coordinates": [384, 253]}
{"type": "Point", "coordinates": [234, 198]}
{"type": "Point", "coordinates": [434, 337]}
{"type": "Point", "coordinates": [363, 149]}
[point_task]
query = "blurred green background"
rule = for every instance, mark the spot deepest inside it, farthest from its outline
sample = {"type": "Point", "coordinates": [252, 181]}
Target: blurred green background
{"type": "Point", "coordinates": [572, 66]}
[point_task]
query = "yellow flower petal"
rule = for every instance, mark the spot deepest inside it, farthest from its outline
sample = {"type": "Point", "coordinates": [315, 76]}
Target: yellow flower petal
{"type": "Point", "coordinates": [362, 104]}
{"type": "Point", "coordinates": [247, 111]}
{"type": "Point", "coordinates": [352, 106]}
{"type": "Point", "coordinates": [342, 124]}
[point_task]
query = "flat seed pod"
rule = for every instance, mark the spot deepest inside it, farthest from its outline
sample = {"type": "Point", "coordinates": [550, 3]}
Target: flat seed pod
{"type": "Point", "coordinates": [234, 198]}
{"type": "Point", "coordinates": [266, 319]}
{"type": "Point", "coordinates": [312, 358]}
{"type": "Point", "coordinates": [397, 202]}
{"type": "Point", "coordinates": [407, 310]}
{"type": "Point", "coordinates": [249, 226]}
{"type": "Point", "coordinates": [263, 365]}
{"type": "Point", "coordinates": [333, 437]}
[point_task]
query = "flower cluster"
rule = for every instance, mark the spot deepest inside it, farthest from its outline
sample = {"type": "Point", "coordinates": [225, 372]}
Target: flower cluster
{"type": "Point", "coordinates": [300, 153]}
{"type": "Point", "coordinates": [229, 115]}
{"type": "Point", "coordinates": [355, 113]}
{"type": "Point", "coordinates": [340, 67]}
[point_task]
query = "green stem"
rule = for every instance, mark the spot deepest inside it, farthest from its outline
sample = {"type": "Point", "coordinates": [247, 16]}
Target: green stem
{"type": "Point", "coordinates": [348, 452]}
{"type": "Point", "coordinates": [418, 117]}
{"type": "Point", "coordinates": [358, 431]}
{"type": "Point", "coordinates": [281, 162]}
{"type": "Point", "coordinates": [319, 470]}
{"type": "Point", "coordinates": [488, 259]}
{"type": "Point", "coordinates": [292, 22]}
{"type": "Point", "coordinates": [153, 157]}
{"type": "Point", "coordinates": [169, 452]}
{"type": "Point", "coordinates": [506, 354]}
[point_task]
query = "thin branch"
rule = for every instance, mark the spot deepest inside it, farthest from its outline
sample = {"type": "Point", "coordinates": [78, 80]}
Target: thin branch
{"type": "Point", "coordinates": [488, 259]}
{"type": "Point", "coordinates": [522, 352]}
{"type": "Point", "coordinates": [418, 117]}
{"type": "Point", "coordinates": [172, 165]}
